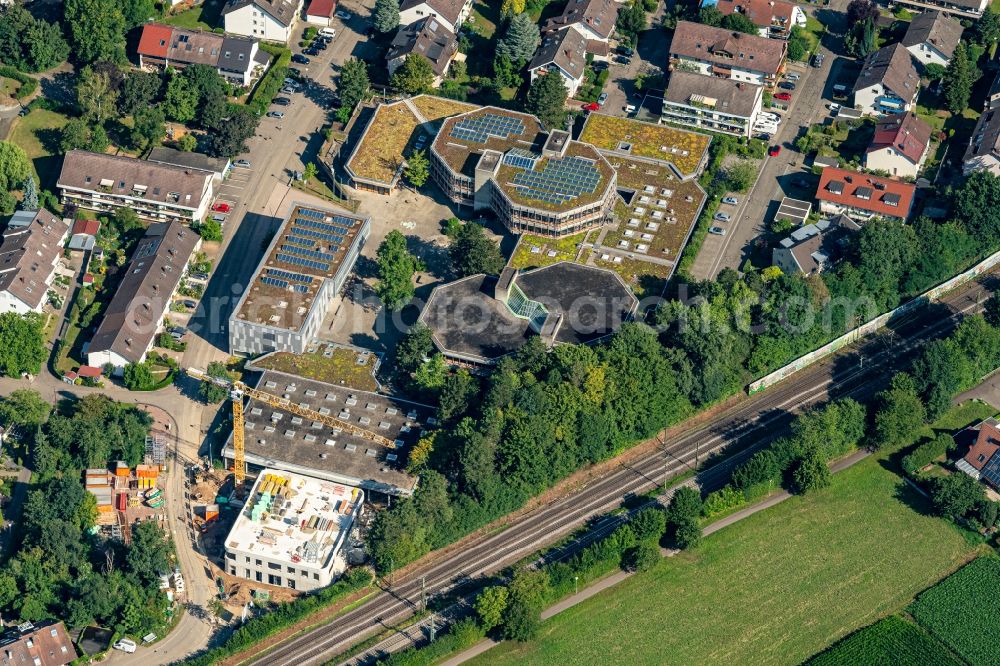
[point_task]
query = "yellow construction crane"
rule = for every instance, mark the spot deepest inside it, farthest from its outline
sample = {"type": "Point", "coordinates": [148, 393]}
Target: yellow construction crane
{"type": "Point", "coordinates": [238, 390]}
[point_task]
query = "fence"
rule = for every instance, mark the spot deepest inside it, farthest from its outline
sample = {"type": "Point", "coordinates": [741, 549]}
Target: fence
{"type": "Point", "coordinates": [873, 325]}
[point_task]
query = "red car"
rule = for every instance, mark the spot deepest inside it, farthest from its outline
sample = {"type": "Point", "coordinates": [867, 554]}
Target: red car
{"type": "Point", "coordinates": [784, 97]}
{"type": "Point", "coordinates": [222, 207]}
{"type": "Point", "coordinates": [593, 106]}
{"type": "Point", "coordinates": [774, 151]}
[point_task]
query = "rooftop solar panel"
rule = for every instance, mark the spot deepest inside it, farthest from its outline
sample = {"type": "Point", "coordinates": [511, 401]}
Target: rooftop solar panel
{"type": "Point", "coordinates": [288, 275]}
{"type": "Point", "coordinates": [560, 180]}
{"type": "Point", "coordinates": [301, 261]}
{"type": "Point", "coordinates": [479, 129]}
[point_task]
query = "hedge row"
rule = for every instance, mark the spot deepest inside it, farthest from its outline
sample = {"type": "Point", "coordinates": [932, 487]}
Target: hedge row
{"type": "Point", "coordinates": [927, 453]}
{"type": "Point", "coordinates": [269, 86]}
{"type": "Point", "coordinates": [28, 84]}
{"type": "Point", "coordinates": [284, 616]}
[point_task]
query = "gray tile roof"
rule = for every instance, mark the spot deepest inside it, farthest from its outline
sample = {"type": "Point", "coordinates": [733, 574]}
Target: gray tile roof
{"type": "Point", "coordinates": [598, 15]}
{"type": "Point", "coordinates": [893, 67]}
{"type": "Point", "coordinates": [27, 254]}
{"type": "Point", "coordinates": [566, 48]}
{"type": "Point", "coordinates": [132, 316]}
{"type": "Point", "coordinates": [728, 49]}
{"type": "Point", "coordinates": [236, 54]}
{"type": "Point", "coordinates": [732, 97]}
{"type": "Point", "coordinates": [186, 160]}
{"type": "Point", "coordinates": [935, 28]}
{"type": "Point", "coordinates": [283, 11]}
{"type": "Point", "coordinates": [427, 37]}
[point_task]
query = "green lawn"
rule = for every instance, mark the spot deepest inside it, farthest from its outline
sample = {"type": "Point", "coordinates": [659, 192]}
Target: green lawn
{"type": "Point", "coordinates": [775, 588]}
{"type": "Point", "coordinates": [889, 642]}
{"type": "Point", "coordinates": [205, 16]}
{"type": "Point", "coordinates": [38, 133]}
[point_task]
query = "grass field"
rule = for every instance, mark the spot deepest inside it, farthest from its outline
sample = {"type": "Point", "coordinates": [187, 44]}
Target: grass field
{"type": "Point", "coordinates": [891, 641]}
{"type": "Point", "coordinates": [963, 611]}
{"type": "Point", "coordinates": [38, 133]}
{"type": "Point", "coordinates": [775, 588]}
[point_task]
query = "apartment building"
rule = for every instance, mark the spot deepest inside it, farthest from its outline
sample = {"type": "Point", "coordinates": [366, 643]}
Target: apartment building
{"type": "Point", "coordinates": [931, 38]}
{"type": "Point", "coordinates": [427, 38]}
{"type": "Point", "coordinates": [270, 20]}
{"type": "Point", "coordinates": [703, 49]}
{"type": "Point", "coordinates": [707, 102]}
{"type": "Point", "coordinates": [238, 59]}
{"type": "Point", "coordinates": [888, 82]}
{"type": "Point", "coordinates": [593, 19]}
{"type": "Point", "coordinates": [863, 197]}
{"type": "Point", "coordinates": [30, 249]}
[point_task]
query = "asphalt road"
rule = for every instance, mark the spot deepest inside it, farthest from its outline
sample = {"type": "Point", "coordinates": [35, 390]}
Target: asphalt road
{"type": "Point", "coordinates": [745, 425]}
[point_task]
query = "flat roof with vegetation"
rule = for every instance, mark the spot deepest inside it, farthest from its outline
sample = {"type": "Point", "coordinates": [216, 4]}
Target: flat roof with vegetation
{"type": "Point", "coordinates": [685, 150]}
{"type": "Point", "coordinates": [435, 108]}
{"type": "Point", "coordinates": [380, 150]}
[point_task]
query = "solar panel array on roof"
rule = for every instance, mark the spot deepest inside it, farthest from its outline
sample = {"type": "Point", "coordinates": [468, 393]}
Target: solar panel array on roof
{"type": "Point", "coordinates": [991, 470]}
{"type": "Point", "coordinates": [478, 129]}
{"type": "Point", "coordinates": [275, 282]}
{"type": "Point", "coordinates": [560, 180]}
{"type": "Point", "coordinates": [312, 254]}
{"type": "Point", "coordinates": [300, 261]}
{"type": "Point", "coordinates": [520, 158]}
{"type": "Point", "coordinates": [287, 275]}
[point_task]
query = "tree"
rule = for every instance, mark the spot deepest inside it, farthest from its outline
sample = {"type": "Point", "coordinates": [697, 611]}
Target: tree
{"type": "Point", "coordinates": [97, 28]}
{"type": "Point", "coordinates": [386, 15]}
{"type": "Point", "coordinates": [22, 344]}
{"type": "Point", "coordinates": [741, 175]}
{"type": "Point", "coordinates": [812, 472]}
{"type": "Point", "coordinates": [213, 393]}
{"type": "Point", "coordinates": [415, 75]}
{"type": "Point", "coordinates": [231, 138]}
{"type": "Point", "coordinates": [28, 43]}
{"type": "Point", "coordinates": [396, 267]}
{"type": "Point", "coordinates": [96, 95]}
{"type": "Point", "coordinates": [955, 495]}
{"type": "Point", "coordinates": [987, 28]}
{"type": "Point", "coordinates": [860, 40]}
{"type": "Point", "coordinates": [861, 10]}
{"type": "Point", "coordinates": [181, 100]}
{"type": "Point", "coordinates": [148, 128]}
{"type": "Point", "coordinates": [417, 168]}
{"type": "Point", "coordinates": [472, 252]}
{"type": "Point", "coordinates": [641, 557]}
{"type": "Point", "coordinates": [25, 408]}
{"type": "Point", "coordinates": [149, 552]}
{"type": "Point", "coordinates": [547, 100]}
{"type": "Point", "coordinates": [740, 23]}
{"type": "Point", "coordinates": [138, 377]}
{"type": "Point", "coordinates": [490, 606]}
{"type": "Point", "coordinates": [415, 348]}
{"type": "Point", "coordinates": [457, 394]}
{"type": "Point", "coordinates": [213, 111]}
{"type": "Point", "coordinates": [137, 12]}
{"type": "Point", "coordinates": [649, 524]}
{"type": "Point", "coordinates": [187, 143]}
{"type": "Point", "coordinates": [520, 39]}
{"type": "Point", "coordinates": [505, 72]}
{"type": "Point", "coordinates": [683, 513]}
{"type": "Point", "coordinates": [631, 20]}
{"type": "Point", "coordinates": [900, 413]}
{"type": "Point", "coordinates": [798, 44]}
{"type": "Point", "coordinates": [30, 199]}
{"type": "Point", "coordinates": [710, 15]}
{"type": "Point", "coordinates": [959, 77]}
{"type": "Point", "coordinates": [354, 84]}
{"type": "Point", "coordinates": [991, 311]}
{"type": "Point", "coordinates": [527, 594]}
{"type": "Point", "coordinates": [139, 90]}
{"type": "Point", "coordinates": [309, 171]}
{"type": "Point", "coordinates": [209, 230]}
{"type": "Point", "coordinates": [976, 201]}
{"type": "Point", "coordinates": [512, 8]}
{"type": "Point", "coordinates": [934, 72]}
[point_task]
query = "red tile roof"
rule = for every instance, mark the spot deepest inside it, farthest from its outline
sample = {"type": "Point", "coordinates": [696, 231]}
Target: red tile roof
{"type": "Point", "coordinates": [88, 279]}
{"type": "Point", "coordinates": [88, 227]}
{"type": "Point", "coordinates": [89, 371]}
{"type": "Point", "coordinates": [905, 132]}
{"type": "Point", "coordinates": [866, 192]}
{"type": "Point", "coordinates": [323, 8]}
{"type": "Point", "coordinates": [155, 40]}
{"type": "Point", "coordinates": [986, 445]}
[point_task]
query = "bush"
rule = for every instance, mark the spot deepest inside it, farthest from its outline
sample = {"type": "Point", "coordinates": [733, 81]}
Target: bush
{"type": "Point", "coordinates": [723, 501]}
{"type": "Point", "coordinates": [642, 557]}
{"type": "Point", "coordinates": [462, 635]}
{"type": "Point", "coordinates": [269, 86]}
{"type": "Point", "coordinates": [927, 453]}
{"type": "Point", "coordinates": [28, 84]}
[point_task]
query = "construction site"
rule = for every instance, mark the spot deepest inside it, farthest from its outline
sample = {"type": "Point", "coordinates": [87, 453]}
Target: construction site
{"type": "Point", "coordinates": [125, 496]}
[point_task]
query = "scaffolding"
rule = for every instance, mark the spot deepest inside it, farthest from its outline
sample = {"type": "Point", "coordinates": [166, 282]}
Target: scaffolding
{"type": "Point", "coordinates": [156, 450]}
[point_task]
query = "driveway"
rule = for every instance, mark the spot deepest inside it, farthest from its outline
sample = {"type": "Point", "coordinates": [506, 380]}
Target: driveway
{"type": "Point", "coordinates": [650, 58]}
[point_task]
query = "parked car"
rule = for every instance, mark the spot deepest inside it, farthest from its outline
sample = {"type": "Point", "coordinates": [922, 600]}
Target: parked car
{"type": "Point", "coordinates": [783, 96]}
{"type": "Point", "coordinates": [721, 217]}
{"type": "Point", "coordinates": [243, 164]}
{"type": "Point", "coordinates": [125, 645]}
{"type": "Point", "coordinates": [834, 108]}
{"type": "Point", "coordinates": [732, 201]}
{"type": "Point", "coordinates": [300, 59]}
{"type": "Point", "coordinates": [276, 114]}
{"type": "Point", "coordinates": [219, 217]}
{"type": "Point", "coordinates": [289, 90]}
{"type": "Point", "coordinates": [295, 71]}
{"type": "Point", "coordinates": [290, 83]}
{"type": "Point", "coordinates": [311, 51]}
{"type": "Point", "coordinates": [622, 60]}
{"type": "Point", "coordinates": [786, 85]}
{"type": "Point", "coordinates": [342, 15]}
{"type": "Point", "coordinates": [817, 60]}
{"type": "Point", "coordinates": [319, 45]}
{"type": "Point", "coordinates": [625, 51]}
{"type": "Point", "coordinates": [222, 207]}
{"type": "Point", "coordinates": [177, 335]}
{"type": "Point", "coordinates": [602, 98]}
{"type": "Point", "coordinates": [188, 303]}
{"type": "Point", "coordinates": [282, 101]}
{"type": "Point", "coordinates": [774, 151]}
{"type": "Point", "coordinates": [591, 106]}
{"type": "Point", "coordinates": [794, 76]}
{"type": "Point", "coordinates": [718, 231]}
{"type": "Point", "coordinates": [328, 32]}
{"type": "Point", "coordinates": [765, 116]}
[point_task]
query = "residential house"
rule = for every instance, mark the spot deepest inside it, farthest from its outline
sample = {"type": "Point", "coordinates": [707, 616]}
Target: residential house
{"type": "Point", "coordinates": [984, 148]}
{"type": "Point", "coordinates": [971, 9]}
{"type": "Point", "coordinates": [136, 311]}
{"type": "Point", "coordinates": [900, 145]}
{"type": "Point", "coordinates": [932, 38]}
{"type": "Point", "coordinates": [83, 235]}
{"type": "Point", "coordinates": [993, 96]}
{"type": "Point", "coordinates": [29, 253]}
{"type": "Point", "coordinates": [156, 192]}
{"type": "Point", "coordinates": [47, 644]}
{"type": "Point", "coordinates": [272, 20]}
{"type": "Point", "coordinates": [888, 82]}
{"type": "Point", "coordinates": [775, 18]}
{"type": "Point", "coordinates": [813, 248]}
{"type": "Point", "coordinates": [426, 37]}
{"type": "Point", "coordinates": [726, 54]}
{"type": "Point", "coordinates": [217, 167]}
{"type": "Point", "coordinates": [982, 462]}
{"type": "Point", "coordinates": [563, 53]}
{"type": "Point", "coordinates": [320, 12]}
{"type": "Point", "coordinates": [594, 19]}
{"type": "Point", "coordinates": [863, 196]}
{"type": "Point", "coordinates": [238, 59]}
{"type": "Point", "coordinates": [720, 105]}
{"type": "Point", "coordinates": [450, 13]}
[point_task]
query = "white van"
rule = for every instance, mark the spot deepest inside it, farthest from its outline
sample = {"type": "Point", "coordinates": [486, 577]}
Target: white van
{"type": "Point", "coordinates": [329, 32]}
{"type": "Point", "coordinates": [125, 645]}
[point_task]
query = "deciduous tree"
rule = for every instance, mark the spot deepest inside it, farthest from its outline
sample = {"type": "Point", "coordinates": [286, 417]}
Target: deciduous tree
{"type": "Point", "coordinates": [547, 100]}
{"type": "Point", "coordinates": [414, 76]}
{"type": "Point", "coordinates": [396, 267]}
{"type": "Point", "coordinates": [354, 85]}
{"type": "Point", "coordinates": [24, 407]}
{"type": "Point", "coordinates": [900, 413]}
{"type": "Point", "coordinates": [473, 252]}
{"type": "Point", "coordinates": [96, 95]}
{"type": "Point", "coordinates": [148, 128]}
{"type": "Point", "coordinates": [97, 28]}
{"type": "Point", "coordinates": [739, 23]}
{"type": "Point", "coordinates": [490, 606]}
{"type": "Point", "coordinates": [181, 99]}
{"type": "Point", "coordinates": [22, 344]}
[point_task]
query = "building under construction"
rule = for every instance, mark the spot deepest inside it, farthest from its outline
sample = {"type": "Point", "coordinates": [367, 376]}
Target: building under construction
{"type": "Point", "coordinates": [291, 531]}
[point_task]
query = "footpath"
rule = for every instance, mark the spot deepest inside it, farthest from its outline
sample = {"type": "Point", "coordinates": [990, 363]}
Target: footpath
{"type": "Point", "coordinates": [617, 577]}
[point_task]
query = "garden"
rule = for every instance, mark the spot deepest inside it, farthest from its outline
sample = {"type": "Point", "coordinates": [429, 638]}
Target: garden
{"type": "Point", "coordinates": [39, 133]}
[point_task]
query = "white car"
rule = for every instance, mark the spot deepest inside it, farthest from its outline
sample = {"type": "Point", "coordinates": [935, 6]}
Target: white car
{"type": "Point", "coordinates": [769, 118]}
{"type": "Point", "coordinates": [342, 15]}
{"type": "Point", "coordinates": [125, 645]}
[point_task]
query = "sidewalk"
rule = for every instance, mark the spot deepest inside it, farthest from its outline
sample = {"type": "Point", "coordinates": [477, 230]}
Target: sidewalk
{"type": "Point", "coordinates": [617, 577]}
